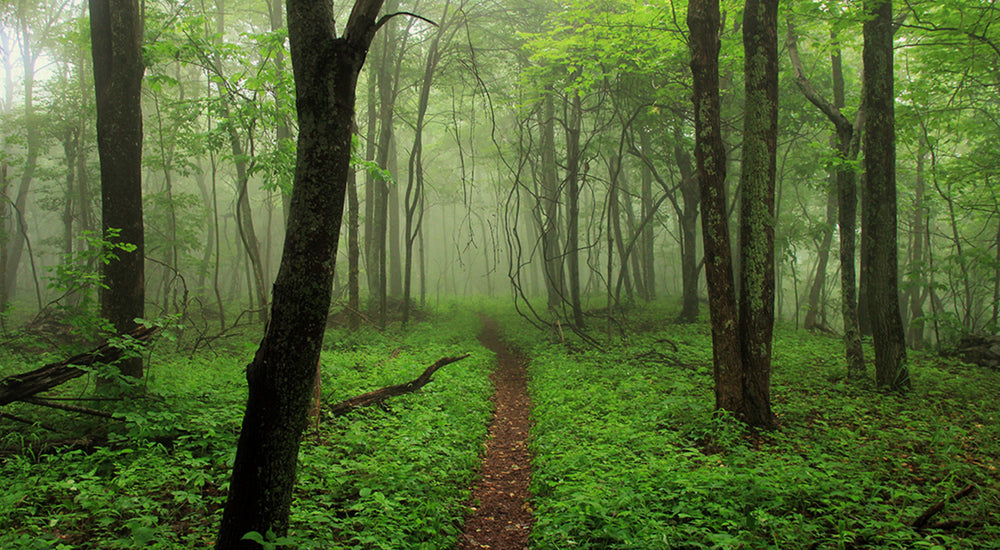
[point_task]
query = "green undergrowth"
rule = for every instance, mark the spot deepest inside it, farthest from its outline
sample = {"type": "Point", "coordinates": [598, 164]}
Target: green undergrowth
{"type": "Point", "coordinates": [628, 453]}
{"type": "Point", "coordinates": [387, 477]}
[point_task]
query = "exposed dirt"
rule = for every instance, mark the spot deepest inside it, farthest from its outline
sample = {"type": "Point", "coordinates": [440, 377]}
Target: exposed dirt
{"type": "Point", "coordinates": [501, 512]}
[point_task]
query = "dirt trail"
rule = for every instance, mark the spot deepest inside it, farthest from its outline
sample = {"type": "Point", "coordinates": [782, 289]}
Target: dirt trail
{"type": "Point", "coordinates": [502, 516]}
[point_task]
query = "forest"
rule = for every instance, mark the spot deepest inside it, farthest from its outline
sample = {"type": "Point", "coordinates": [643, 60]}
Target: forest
{"type": "Point", "coordinates": [519, 274]}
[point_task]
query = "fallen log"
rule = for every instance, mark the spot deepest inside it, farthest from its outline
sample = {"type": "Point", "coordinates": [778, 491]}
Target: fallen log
{"type": "Point", "coordinates": [380, 395]}
{"type": "Point", "coordinates": [20, 387]}
{"type": "Point", "coordinates": [921, 522]}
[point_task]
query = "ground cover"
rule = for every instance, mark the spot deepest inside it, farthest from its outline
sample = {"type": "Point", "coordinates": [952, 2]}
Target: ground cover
{"type": "Point", "coordinates": [389, 477]}
{"type": "Point", "coordinates": [628, 453]}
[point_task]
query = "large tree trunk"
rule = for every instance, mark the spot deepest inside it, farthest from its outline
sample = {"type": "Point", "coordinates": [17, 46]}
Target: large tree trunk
{"type": "Point", "coordinates": [757, 180]}
{"type": "Point", "coordinates": [283, 372]}
{"type": "Point", "coordinates": [710, 159]}
{"type": "Point", "coordinates": [116, 35]}
{"type": "Point", "coordinates": [878, 239]}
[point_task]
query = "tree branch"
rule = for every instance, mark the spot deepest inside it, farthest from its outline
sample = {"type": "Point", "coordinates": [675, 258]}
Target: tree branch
{"type": "Point", "coordinates": [921, 522]}
{"type": "Point", "coordinates": [380, 395]}
{"type": "Point", "coordinates": [814, 97]}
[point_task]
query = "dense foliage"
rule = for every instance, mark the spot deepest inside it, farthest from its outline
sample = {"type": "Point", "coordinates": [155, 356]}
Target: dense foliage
{"type": "Point", "coordinates": [629, 455]}
{"type": "Point", "coordinates": [627, 452]}
{"type": "Point", "coordinates": [381, 478]}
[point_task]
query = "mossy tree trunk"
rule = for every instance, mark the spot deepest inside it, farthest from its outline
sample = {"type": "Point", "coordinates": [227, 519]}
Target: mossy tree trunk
{"type": "Point", "coordinates": [760, 133]}
{"type": "Point", "coordinates": [283, 371]}
{"type": "Point", "coordinates": [710, 160]}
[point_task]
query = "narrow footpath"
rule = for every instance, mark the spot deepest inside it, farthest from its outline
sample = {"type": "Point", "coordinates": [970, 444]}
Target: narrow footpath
{"type": "Point", "coordinates": [502, 516]}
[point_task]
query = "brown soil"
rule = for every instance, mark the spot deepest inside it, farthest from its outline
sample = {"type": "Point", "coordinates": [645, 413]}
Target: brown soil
{"type": "Point", "coordinates": [501, 513]}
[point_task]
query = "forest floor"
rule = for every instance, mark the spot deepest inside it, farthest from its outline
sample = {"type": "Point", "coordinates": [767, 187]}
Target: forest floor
{"type": "Point", "coordinates": [625, 449]}
{"type": "Point", "coordinates": [502, 515]}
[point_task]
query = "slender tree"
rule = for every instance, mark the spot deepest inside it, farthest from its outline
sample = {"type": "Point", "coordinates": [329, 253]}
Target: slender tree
{"type": "Point", "coordinates": [847, 146]}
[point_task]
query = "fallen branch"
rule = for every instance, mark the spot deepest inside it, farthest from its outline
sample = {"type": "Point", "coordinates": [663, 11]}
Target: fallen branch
{"type": "Point", "coordinates": [921, 522]}
{"type": "Point", "coordinates": [380, 395]}
{"type": "Point", "coordinates": [27, 421]}
{"type": "Point", "coordinates": [22, 386]}
{"type": "Point", "coordinates": [68, 407]}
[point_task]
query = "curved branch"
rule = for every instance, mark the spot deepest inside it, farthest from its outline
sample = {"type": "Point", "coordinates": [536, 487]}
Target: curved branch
{"type": "Point", "coordinates": [814, 97]}
{"type": "Point", "coordinates": [385, 19]}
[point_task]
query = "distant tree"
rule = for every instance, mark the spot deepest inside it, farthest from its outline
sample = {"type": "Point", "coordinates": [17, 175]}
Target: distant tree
{"type": "Point", "coordinates": [116, 36]}
{"type": "Point", "coordinates": [283, 371]}
{"type": "Point", "coordinates": [847, 146]}
{"type": "Point", "coordinates": [878, 215]}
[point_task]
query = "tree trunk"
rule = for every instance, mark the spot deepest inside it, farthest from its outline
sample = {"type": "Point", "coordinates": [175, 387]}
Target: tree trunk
{"type": "Point", "coordinates": [353, 254]}
{"type": "Point", "coordinates": [814, 308]}
{"type": "Point", "coordinates": [648, 267]}
{"type": "Point", "coordinates": [283, 132]}
{"type": "Point", "coordinates": [847, 147]}
{"type": "Point", "coordinates": [16, 230]}
{"type": "Point", "coordinates": [710, 159]}
{"type": "Point", "coordinates": [282, 374]}
{"type": "Point", "coordinates": [878, 239]}
{"type": "Point", "coordinates": [914, 296]}
{"type": "Point", "coordinates": [550, 198]}
{"type": "Point", "coordinates": [413, 198]}
{"type": "Point", "coordinates": [573, 207]}
{"type": "Point", "coordinates": [688, 221]}
{"type": "Point", "coordinates": [116, 36]}
{"type": "Point", "coordinates": [757, 181]}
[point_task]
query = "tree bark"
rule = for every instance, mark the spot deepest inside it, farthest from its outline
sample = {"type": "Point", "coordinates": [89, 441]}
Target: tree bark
{"type": "Point", "coordinates": [914, 296]}
{"type": "Point", "coordinates": [550, 198]}
{"type": "Point", "coordinates": [688, 221]}
{"type": "Point", "coordinates": [116, 36]}
{"type": "Point", "coordinates": [847, 147]}
{"type": "Point", "coordinates": [757, 181]}
{"type": "Point", "coordinates": [710, 160]}
{"type": "Point", "coordinates": [878, 239]}
{"type": "Point", "coordinates": [646, 212]}
{"type": "Point", "coordinates": [282, 374]}
{"type": "Point", "coordinates": [573, 206]}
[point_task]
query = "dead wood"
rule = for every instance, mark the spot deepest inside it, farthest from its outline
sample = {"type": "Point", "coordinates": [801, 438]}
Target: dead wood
{"type": "Point", "coordinates": [68, 407]}
{"type": "Point", "coordinates": [28, 421]}
{"type": "Point", "coordinates": [20, 387]}
{"type": "Point", "coordinates": [921, 522]}
{"type": "Point", "coordinates": [380, 395]}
